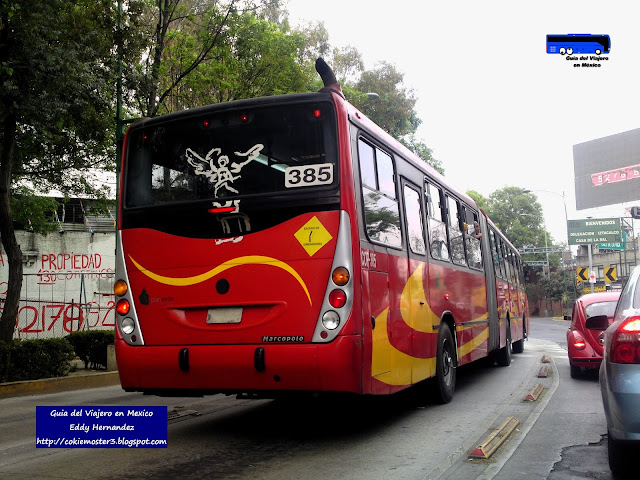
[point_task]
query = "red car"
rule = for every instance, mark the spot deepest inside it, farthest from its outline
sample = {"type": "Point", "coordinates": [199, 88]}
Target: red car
{"type": "Point", "coordinates": [585, 343]}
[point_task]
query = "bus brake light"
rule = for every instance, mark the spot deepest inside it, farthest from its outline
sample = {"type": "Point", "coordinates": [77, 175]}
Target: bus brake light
{"type": "Point", "coordinates": [123, 307]}
{"type": "Point", "coordinates": [222, 210]}
{"type": "Point", "coordinates": [337, 298]}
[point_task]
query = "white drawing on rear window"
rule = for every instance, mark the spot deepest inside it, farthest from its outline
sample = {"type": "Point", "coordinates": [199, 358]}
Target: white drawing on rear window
{"type": "Point", "coordinates": [243, 222]}
{"type": "Point", "coordinates": [221, 175]}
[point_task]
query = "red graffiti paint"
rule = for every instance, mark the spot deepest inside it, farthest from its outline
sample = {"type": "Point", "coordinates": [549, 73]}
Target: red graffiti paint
{"type": "Point", "coordinates": [71, 261]}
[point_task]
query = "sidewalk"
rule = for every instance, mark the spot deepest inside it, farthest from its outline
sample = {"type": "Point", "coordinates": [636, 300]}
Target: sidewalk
{"type": "Point", "coordinates": [77, 380]}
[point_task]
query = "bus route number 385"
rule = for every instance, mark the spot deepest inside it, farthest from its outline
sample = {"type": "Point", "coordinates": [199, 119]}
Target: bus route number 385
{"type": "Point", "coordinates": [309, 175]}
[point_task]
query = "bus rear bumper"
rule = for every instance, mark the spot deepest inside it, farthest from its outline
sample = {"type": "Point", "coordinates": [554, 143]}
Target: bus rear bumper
{"type": "Point", "coordinates": [234, 369]}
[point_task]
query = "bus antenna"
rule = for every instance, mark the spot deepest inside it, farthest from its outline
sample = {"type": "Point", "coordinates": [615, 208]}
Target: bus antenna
{"type": "Point", "coordinates": [328, 77]}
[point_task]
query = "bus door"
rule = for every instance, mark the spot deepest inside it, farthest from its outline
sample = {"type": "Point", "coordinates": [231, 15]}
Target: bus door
{"type": "Point", "coordinates": [499, 269]}
{"type": "Point", "coordinates": [383, 263]}
{"type": "Point", "coordinates": [417, 312]}
{"type": "Point", "coordinates": [490, 266]}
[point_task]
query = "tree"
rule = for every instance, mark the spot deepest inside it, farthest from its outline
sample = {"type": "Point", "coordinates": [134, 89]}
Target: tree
{"type": "Point", "coordinates": [200, 52]}
{"type": "Point", "coordinates": [480, 200]}
{"type": "Point", "coordinates": [557, 287]}
{"type": "Point", "coordinates": [56, 115]}
{"type": "Point", "coordinates": [257, 58]}
{"type": "Point", "coordinates": [394, 110]}
{"type": "Point", "coordinates": [518, 215]}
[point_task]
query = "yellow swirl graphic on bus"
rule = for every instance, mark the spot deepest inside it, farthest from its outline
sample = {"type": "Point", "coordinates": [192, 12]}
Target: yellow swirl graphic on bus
{"type": "Point", "coordinates": [236, 262]}
{"type": "Point", "coordinates": [393, 367]}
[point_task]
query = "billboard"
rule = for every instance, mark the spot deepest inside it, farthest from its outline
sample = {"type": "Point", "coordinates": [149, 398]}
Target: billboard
{"type": "Point", "coordinates": [607, 170]}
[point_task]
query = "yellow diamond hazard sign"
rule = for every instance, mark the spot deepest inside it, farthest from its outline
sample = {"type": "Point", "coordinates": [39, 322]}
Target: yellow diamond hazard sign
{"type": "Point", "coordinates": [313, 236]}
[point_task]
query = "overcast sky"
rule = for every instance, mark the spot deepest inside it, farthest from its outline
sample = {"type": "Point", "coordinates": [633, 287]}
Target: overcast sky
{"type": "Point", "coordinates": [496, 109]}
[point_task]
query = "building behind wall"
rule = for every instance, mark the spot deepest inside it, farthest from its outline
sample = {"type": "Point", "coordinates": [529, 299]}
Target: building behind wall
{"type": "Point", "coordinates": [68, 275]}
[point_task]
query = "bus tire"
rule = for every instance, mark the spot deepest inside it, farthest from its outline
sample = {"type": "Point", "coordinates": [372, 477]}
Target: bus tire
{"type": "Point", "coordinates": [562, 51]}
{"type": "Point", "coordinates": [598, 51]}
{"type": "Point", "coordinates": [445, 365]}
{"type": "Point", "coordinates": [504, 354]}
{"type": "Point", "coordinates": [518, 346]}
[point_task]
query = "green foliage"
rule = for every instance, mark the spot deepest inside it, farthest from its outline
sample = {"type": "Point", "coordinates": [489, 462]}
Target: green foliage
{"type": "Point", "coordinates": [394, 110]}
{"type": "Point", "coordinates": [34, 359]}
{"type": "Point", "coordinates": [33, 212]}
{"type": "Point", "coordinates": [558, 286]}
{"type": "Point", "coordinates": [519, 216]}
{"type": "Point", "coordinates": [212, 52]}
{"type": "Point", "coordinates": [479, 199]}
{"type": "Point", "coordinates": [90, 346]}
{"type": "Point", "coordinates": [61, 90]}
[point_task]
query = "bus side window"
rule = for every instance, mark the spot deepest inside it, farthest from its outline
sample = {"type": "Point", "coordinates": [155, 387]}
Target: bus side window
{"type": "Point", "coordinates": [413, 213]}
{"type": "Point", "coordinates": [512, 261]}
{"type": "Point", "coordinates": [455, 233]}
{"type": "Point", "coordinates": [386, 183]}
{"type": "Point", "coordinates": [505, 261]}
{"type": "Point", "coordinates": [381, 211]}
{"type": "Point", "coordinates": [518, 271]}
{"type": "Point", "coordinates": [437, 235]}
{"type": "Point", "coordinates": [495, 254]}
{"type": "Point", "coordinates": [501, 258]}
{"type": "Point", "coordinates": [472, 244]}
{"type": "Point", "coordinates": [367, 165]}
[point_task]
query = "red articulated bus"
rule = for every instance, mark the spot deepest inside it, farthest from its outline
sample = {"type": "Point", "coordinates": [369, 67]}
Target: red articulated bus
{"type": "Point", "coordinates": [288, 244]}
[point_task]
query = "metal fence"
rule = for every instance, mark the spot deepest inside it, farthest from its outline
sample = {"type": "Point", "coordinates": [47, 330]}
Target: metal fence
{"type": "Point", "coordinates": [56, 304]}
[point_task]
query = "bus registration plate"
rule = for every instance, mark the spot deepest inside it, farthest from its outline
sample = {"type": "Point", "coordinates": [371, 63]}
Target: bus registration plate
{"type": "Point", "coordinates": [224, 315]}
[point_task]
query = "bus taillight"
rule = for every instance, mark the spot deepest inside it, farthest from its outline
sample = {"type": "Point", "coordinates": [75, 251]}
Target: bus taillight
{"type": "Point", "coordinates": [330, 321]}
{"type": "Point", "coordinates": [120, 288]}
{"type": "Point", "coordinates": [337, 298]}
{"type": "Point", "coordinates": [123, 307]}
{"type": "Point", "coordinates": [340, 276]}
{"type": "Point", "coordinates": [128, 326]}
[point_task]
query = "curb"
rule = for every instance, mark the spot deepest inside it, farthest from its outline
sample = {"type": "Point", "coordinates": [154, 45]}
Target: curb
{"type": "Point", "coordinates": [59, 384]}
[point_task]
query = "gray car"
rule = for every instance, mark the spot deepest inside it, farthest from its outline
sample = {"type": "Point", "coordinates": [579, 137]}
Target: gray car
{"type": "Point", "coordinates": [620, 378]}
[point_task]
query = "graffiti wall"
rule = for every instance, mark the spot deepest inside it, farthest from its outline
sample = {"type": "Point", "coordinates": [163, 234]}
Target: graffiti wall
{"type": "Point", "coordinates": [67, 284]}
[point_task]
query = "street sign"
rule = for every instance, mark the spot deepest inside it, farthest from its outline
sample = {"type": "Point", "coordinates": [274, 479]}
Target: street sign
{"type": "Point", "coordinates": [611, 246]}
{"type": "Point", "coordinates": [582, 274]}
{"type": "Point", "coordinates": [592, 277]}
{"type": "Point", "coordinates": [594, 230]}
{"type": "Point", "coordinates": [610, 274]}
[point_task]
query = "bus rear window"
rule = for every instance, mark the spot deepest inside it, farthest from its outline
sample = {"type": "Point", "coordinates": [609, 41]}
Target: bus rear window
{"type": "Point", "coordinates": [235, 153]}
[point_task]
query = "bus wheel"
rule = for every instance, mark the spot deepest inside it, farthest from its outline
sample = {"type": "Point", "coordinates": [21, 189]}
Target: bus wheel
{"type": "Point", "coordinates": [569, 51]}
{"type": "Point", "coordinates": [445, 365]}
{"type": "Point", "coordinates": [504, 354]}
{"type": "Point", "coordinates": [598, 51]}
{"type": "Point", "coordinates": [563, 51]}
{"type": "Point", "coordinates": [518, 346]}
